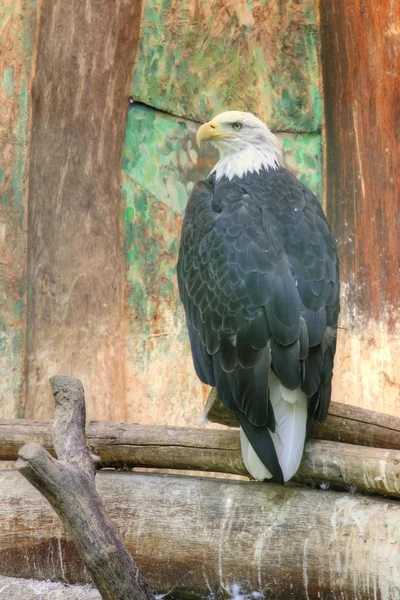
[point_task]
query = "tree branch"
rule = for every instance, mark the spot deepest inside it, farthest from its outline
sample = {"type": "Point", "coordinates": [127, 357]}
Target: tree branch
{"type": "Point", "coordinates": [344, 423]}
{"type": "Point", "coordinates": [125, 445]}
{"type": "Point", "coordinates": [69, 485]}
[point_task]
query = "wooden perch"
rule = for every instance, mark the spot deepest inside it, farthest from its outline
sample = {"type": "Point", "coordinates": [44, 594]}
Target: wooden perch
{"type": "Point", "coordinates": [371, 470]}
{"type": "Point", "coordinates": [196, 536]}
{"type": "Point", "coordinates": [345, 423]}
{"type": "Point", "coordinates": [68, 484]}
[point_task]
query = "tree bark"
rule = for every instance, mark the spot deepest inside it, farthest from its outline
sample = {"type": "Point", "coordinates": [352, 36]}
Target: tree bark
{"type": "Point", "coordinates": [340, 466]}
{"type": "Point", "coordinates": [344, 423]}
{"type": "Point", "coordinates": [68, 484]}
{"type": "Point", "coordinates": [198, 536]}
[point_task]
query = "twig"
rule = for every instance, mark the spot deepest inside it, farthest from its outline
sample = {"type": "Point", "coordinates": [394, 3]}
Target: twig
{"type": "Point", "coordinates": [69, 485]}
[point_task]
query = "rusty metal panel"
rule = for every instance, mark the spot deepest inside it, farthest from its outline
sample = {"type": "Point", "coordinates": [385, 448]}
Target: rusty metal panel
{"type": "Point", "coordinates": [160, 165]}
{"type": "Point", "coordinates": [17, 24]}
{"type": "Point", "coordinates": [200, 58]}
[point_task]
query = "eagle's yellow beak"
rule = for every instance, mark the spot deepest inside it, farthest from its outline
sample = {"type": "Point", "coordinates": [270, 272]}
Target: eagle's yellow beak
{"type": "Point", "coordinates": [208, 131]}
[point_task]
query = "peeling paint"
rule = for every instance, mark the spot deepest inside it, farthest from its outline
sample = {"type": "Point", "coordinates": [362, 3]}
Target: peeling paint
{"type": "Point", "coordinates": [198, 59]}
{"type": "Point", "coordinates": [160, 165]}
{"type": "Point", "coordinates": [17, 24]}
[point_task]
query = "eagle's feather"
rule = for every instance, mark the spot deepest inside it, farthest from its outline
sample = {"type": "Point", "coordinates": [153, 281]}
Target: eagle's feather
{"type": "Point", "coordinates": [258, 277]}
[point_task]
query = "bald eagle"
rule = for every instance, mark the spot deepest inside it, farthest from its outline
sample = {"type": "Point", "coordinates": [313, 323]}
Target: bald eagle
{"type": "Point", "coordinates": [258, 276]}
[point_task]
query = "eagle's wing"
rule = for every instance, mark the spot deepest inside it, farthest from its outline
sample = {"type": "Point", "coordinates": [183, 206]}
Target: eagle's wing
{"type": "Point", "coordinates": [312, 254]}
{"type": "Point", "coordinates": [245, 304]}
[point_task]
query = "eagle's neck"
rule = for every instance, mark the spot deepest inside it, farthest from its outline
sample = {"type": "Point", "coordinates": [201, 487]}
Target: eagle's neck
{"type": "Point", "coordinates": [247, 160]}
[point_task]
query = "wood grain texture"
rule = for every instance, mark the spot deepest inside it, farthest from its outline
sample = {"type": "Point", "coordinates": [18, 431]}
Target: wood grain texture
{"type": "Point", "coordinates": [338, 465]}
{"type": "Point", "coordinates": [16, 588]}
{"type": "Point", "coordinates": [125, 445]}
{"type": "Point", "coordinates": [75, 263]}
{"type": "Point", "coordinates": [351, 468]}
{"type": "Point", "coordinates": [350, 424]}
{"type": "Point", "coordinates": [360, 67]}
{"type": "Point", "coordinates": [199, 58]}
{"type": "Point", "coordinates": [199, 536]}
{"type": "Point", "coordinates": [17, 31]}
{"type": "Point", "coordinates": [68, 484]}
{"type": "Point", "coordinates": [362, 105]}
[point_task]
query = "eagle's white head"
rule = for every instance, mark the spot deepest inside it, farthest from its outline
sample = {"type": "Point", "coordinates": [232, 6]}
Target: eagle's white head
{"type": "Point", "coordinates": [244, 142]}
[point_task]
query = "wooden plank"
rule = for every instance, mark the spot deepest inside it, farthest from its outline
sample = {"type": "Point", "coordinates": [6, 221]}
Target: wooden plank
{"type": "Point", "coordinates": [201, 536]}
{"type": "Point", "coordinates": [344, 423]}
{"type": "Point", "coordinates": [17, 30]}
{"type": "Point", "coordinates": [199, 58]}
{"type": "Point", "coordinates": [338, 465]}
{"type": "Point", "coordinates": [75, 264]}
{"type": "Point", "coordinates": [16, 588]}
{"type": "Point", "coordinates": [361, 97]}
{"type": "Point", "coordinates": [161, 163]}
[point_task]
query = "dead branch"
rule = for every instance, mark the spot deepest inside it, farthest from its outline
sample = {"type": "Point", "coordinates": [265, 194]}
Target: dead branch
{"type": "Point", "coordinates": [68, 484]}
{"type": "Point", "coordinates": [120, 445]}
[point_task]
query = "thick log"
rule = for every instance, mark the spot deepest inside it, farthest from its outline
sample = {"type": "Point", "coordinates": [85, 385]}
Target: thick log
{"type": "Point", "coordinates": [68, 484]}
{"type": "Point", "coordinates": [199, 536]}
{"type": "Point", "coordinates": [338, 465]}
{"type": "Point", "coordinates": [344, 423]}
{"type": "Point", "coordinates": [16, 588]}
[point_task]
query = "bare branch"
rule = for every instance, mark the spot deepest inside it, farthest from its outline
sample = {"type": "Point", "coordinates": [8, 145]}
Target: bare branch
{"type": "Point", "coordinates": [68, 485]}
{"type": "Point", "coordinates": [124, 445]}
{"type": "Point", "coordinates": [68, 434]}
{"type": "Point", "coordinates": [345, 423]}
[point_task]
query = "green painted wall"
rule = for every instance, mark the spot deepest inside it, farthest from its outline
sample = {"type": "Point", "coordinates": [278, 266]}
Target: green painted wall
{"type": "Point", "coordinates": [195, 60]}
{"type": "Point", "coordinates": [160, 165]}
{"type": "Point", "coordinates": [199, 58]}
{"type": "Point", "coordinates": [17, 26]}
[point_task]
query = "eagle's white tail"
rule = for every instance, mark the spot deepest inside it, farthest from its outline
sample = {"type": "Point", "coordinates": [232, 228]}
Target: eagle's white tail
{"type": "Point", "coordinates": [290, 410]}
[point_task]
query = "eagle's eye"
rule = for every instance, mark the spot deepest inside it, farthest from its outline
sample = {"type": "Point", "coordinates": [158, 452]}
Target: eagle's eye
{"type": "Point", "coordinates": [237, 126]}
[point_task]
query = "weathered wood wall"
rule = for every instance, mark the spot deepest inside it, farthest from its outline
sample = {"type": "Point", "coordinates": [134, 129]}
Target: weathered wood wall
{"type": "Point", "coordinates": [75, 265]}
{"type": "Point", "coordinates": [362, 110]}
{"type": "Point", "coordinates": [195, 60]}
{"type": "Point", "coordinates": [17, 30]}
{"type": "Point", "coordinates": [160, 165]}
{"type": "Point", "coordinates": [119, 325]}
